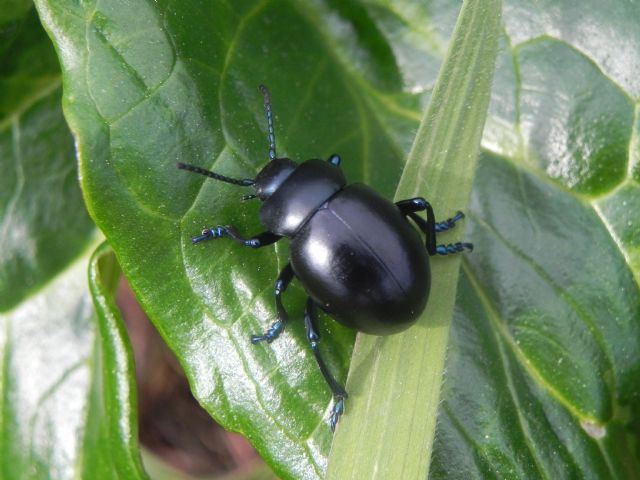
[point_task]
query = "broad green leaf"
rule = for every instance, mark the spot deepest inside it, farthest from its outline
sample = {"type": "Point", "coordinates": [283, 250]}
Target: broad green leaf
{"type": "Point", "coordinates": [197, 101]}
{"type": "Point", "coordinates": [46, 344]}
{"type": "Point", "coordinates": [29, 70]}
{"type": "Point", "coordinates": [68, 402]}
{"type": "Point", "coordinates": [13, 10]}
{"type": "Point", "coordinates": [398, 377]}
{"type": "Point", "coordinates": [43, 221]}
{"type": "Point", "coordinates": [152, 84]}
{"type": "Point", "coordinates": [53, 369]}
{"type": "Point", "coordinates": [110, 447]}
{"type": "Point", "coordinates": [544, 361]}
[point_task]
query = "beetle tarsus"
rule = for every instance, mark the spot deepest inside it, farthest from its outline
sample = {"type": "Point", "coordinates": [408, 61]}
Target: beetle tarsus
{"type": "Point", "coordinates": [430, 227]}
{"type": "Point", "coordinates": [200, 238]}
{"type": "Point", "coordinates": [261, 240]}
{"type": "Point", "coordinates": [452, 248]}
{"type": "Point", "coordinates": [336, 411]}
{"type": "Point", "coordinates": [449, 222]}
{"type": "Point", "coordinates": [271, 334]}
{"type": "Point", "coordinates": [274, 331]}
{"type": "Point", "coordinates": [209, 234]}
{"type": "Point", "coordinates": [339, 393]}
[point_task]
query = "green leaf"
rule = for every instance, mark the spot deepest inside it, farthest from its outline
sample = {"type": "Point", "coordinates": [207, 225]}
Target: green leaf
{"type": "Point", "coordinates": [56, 375]}
{"type": "Point", "coordinates": [41, 206]}
{"type": "Point", "coordinates": [46, 344]}
{"type": "Point", "coordinates": [68, 402]}
{"type": "Point", "coordinates": [111, 440]}
{"type": "Point", "coordinates": [68, 399]}
{"type": "Point", "coordinates": [197, 101]}
{"type": "Point", "coordinates": [543, 378]}
{"type": "Point", "coordinates": [544, 356]}
{"type": "Point", "coordinates": [441, 164]}
{"type": "Point", "coordinates": [554, 211]}
{"type": "Point", "coordinates": [13, 9]}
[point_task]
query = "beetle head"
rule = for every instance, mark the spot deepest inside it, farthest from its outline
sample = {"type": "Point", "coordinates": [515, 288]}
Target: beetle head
{"type": "Point", "coordinates": [272, 175]}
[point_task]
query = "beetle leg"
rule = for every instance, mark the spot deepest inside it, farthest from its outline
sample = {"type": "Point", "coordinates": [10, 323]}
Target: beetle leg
{"type": "Point", "coordinates": [339, 393]}
{"type": "Point", "coordinates": [283, 281]}
{"type": "Point", "coordinates": [334, 159]}
{"type": "Point", "coordinates": [261, 240]}
{"type": "Point", "coordinates": [448, 224]}
{"type": "Point", "coordinates": [419, 204]}
{"type": "Point", "coordinates": [453, 248]}
{"type": "Point", "coordinates": [430, 227]}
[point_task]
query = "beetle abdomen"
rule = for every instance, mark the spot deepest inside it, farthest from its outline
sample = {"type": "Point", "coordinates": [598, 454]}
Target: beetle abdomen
{"type": "Point", "coordinates": [362, 262]}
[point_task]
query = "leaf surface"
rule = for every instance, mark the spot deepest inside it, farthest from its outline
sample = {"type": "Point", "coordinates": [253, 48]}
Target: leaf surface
{"type": "Point", "coordinates": [54, 406]}
{"type": "Point", "coordinates": [543, 368]}
{"type": "Point", "coordinates": [43, 223]}
{"type": "Point", "coordinates": [397, 378]}
{"type": "Point", "coordinates": [554, 211]}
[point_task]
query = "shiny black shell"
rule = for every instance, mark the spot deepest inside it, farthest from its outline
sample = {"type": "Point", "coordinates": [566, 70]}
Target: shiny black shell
{"type": "Point", "coordinates": [353, 251]}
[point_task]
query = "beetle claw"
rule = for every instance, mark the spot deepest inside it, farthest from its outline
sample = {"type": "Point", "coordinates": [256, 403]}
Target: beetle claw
{"type": "Point", "coordinates": [336, 412]}
{"type": "Point", "coordinates": [205, 235]}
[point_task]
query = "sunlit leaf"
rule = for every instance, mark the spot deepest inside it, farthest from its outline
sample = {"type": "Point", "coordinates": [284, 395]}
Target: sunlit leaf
{"type": "Point", "coordinates": [397, 378]}
{"type": "Point", "coordinates": [554, 211]}
{"type": "Point", "coordinates": [54, 400]}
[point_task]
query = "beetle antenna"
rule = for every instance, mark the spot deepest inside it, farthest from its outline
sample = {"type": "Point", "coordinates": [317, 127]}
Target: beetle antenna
{"type": "Point", "coordinates": [267, 112]}
{"type": "Point", "coordinates": [244, 182]}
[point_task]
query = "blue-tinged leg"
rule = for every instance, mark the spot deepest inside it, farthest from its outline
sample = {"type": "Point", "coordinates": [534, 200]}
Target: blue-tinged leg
{"type": "Point", "coordinates": [430, 227]}
{"type": "Point", "coordinates": [334, 160]}
{"type": "Point", "coordinates": [339, 393]}
{"type": "Point", "coordinates": [283, 281]}
{"type": "Point", "coordinates": [410, 207]}
{"type": "Point", "coordinates": [453, 248]}
{"type": "Point", "coordinates": [449, 222]}
{"type": "Point", "coordinates": [261, 240]}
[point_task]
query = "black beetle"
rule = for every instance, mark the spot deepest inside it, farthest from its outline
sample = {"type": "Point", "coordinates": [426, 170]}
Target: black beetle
{"type": "Point", "coordinates": [354, 251]}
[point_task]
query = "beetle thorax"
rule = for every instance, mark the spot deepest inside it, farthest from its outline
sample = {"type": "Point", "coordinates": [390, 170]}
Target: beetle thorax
{"type": "Point", "coordinates": [299, 195]}
{"type": "Point", "coordinates": [272, 176]}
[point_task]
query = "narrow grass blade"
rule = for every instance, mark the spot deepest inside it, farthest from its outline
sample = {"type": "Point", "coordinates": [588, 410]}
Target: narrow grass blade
{"type": "Point", "coordinates": [394, 382]}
